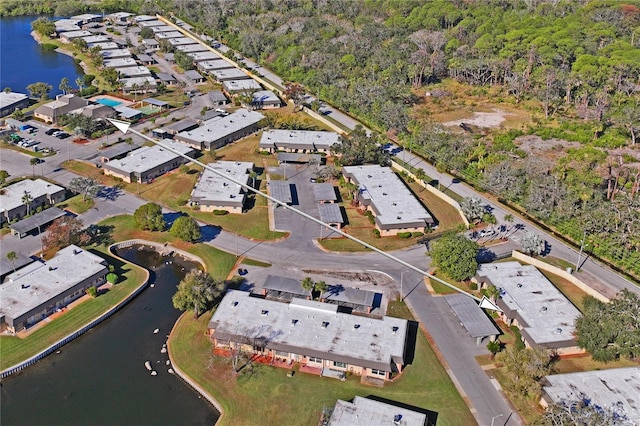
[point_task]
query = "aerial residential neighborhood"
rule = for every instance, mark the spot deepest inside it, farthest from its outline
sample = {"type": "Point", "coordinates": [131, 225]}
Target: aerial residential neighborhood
{"type": "Point", "coordinates": [320, 213]}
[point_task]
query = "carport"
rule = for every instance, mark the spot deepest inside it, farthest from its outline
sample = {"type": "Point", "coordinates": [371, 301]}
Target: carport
{"type": "Point", "coordinates": [472, 317]}
{"type": "Point", "coordinates": [330, 213]}
{"type": "Point", "coordinates": [283, 288]}
{"type": "Point", "coordinates": [291, 157]}
{"type": "Point", "coordinates": [349, 297]}
{"type": "Point", "coordinates": [281, 191]}
{"type": "Point", "coordinates": [38, 220]}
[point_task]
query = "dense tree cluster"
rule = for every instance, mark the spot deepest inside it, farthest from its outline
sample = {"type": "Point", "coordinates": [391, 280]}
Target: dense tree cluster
{"type": "Point", "coordinates": [455, 256]}
{"type": "Point", "coordinates": [149, 217]}
{"type": "Point", "coordinates": [196, 292]}
{"type": "Point", "coordinates": [609, 331]}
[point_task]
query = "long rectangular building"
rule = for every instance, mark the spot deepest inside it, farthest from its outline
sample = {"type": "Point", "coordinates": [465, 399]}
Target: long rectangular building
{"type": "Point", "coordinates": [36, 291]}
{"type": "Point", "coordinates": [213, 192]}
{"type": "Point", "coordinates": [302, 141]}
{"type": "Point", "coordinates": [545, 317]}
{"type": "Point", "coordinates": [615, 387]}
{"type": "Point", "coordinates": [149, 162]}
{"type": "Point", "coordinates": [41, 192]}
{"type": "Point", "coordinates": [394, 207]}
{"type": "Point", "coordinates": [219, 131]}
{"type": "Point", "coordinates": [311, 333]}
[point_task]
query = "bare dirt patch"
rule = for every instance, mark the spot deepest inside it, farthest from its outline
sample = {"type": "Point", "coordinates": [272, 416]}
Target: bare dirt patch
{"type": "Point", "coordinates": [487, 120]}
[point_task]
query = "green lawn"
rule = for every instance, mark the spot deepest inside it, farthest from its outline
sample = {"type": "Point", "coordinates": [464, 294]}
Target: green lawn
{"type": "Point", "coordinates": [270, 397]}
{"type": "Point", "coordinates": [13, 349]}
{"type": "Point", "coordinates": [76, 205]}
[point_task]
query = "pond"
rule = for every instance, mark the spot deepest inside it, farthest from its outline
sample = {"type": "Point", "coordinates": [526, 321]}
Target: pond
{"type": "Point", "coordinates": [100, 378]}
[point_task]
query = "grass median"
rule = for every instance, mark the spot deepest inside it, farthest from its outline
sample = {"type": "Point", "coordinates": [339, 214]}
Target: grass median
{"type": "Point", "coordinates": [268, 396]}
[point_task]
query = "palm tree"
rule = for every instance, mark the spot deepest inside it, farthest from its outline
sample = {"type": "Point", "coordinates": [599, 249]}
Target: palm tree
{"type": "Point", "coordinates": [80, 83]}
{"type": "Point", "coordinates": [308, 284]}
{"type": "Point", "coordinates": [494, 347]}
{"type": "Point", "coordinates": [64, 85]}
{"type": "Point", "coordinates": [12, 257]}
{"type": "Point", "coordinates": [509, 219]}
{"type": "Point", "coordinates": [26, 200]}
{"type": "Point", "coordinates": [421, 176]}
{"type": "Point", "coordinates": [77, 132]}
{"type": "Point", "coordinates": [33, 163]}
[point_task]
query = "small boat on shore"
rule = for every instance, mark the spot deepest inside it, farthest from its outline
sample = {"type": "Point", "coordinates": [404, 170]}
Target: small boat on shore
{"type": "Point", "coordinates": [147, 364]}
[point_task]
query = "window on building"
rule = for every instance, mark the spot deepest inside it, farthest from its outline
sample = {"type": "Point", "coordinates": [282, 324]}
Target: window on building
{"type": "Point", "coordinates": [378, 372]}
{"type": "Point", "coordinates": [339, 364]}
{"type": "Point", "coordinates": [314, 359]}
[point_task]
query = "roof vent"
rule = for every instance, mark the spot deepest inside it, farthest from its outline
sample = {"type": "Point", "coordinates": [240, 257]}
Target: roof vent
{"type": "Point", "coordinates": [395, 328]}
{"type": "Point", "coordinates": [294, 321]}
{"type": "Point", "coordinates": [234, 303]}
{"type": "Point", "coordinates": [264, 312]}
{"type": "Point", "coordinates": [558, 331]}
{"type": "Point", "coordinates": [397, 419]}
{"type": "Point", "coordinates": [325, 324]}
{"type": "Point", "coordinates": [519, 285]}
{"type": "Point", "coordinates": [356, 326]}
{"type": "Point", "coordinates": [543, 309]}
{"type": "Point", "coordinates": [398, 217]}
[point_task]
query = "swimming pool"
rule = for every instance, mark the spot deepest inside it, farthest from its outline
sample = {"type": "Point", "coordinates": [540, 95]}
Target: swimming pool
{"type": "Point", "coordinates": [108, 102]}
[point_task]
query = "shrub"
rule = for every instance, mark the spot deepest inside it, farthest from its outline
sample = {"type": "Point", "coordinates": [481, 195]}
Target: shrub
{"type": "Point", "coordinates": [516, 331]}
{"type": "Point", "coordinates": [184, 169]}
{"type": "Point", "coordinates": [376, 233]}
{"type": "Point", "coordinates": [112, 278]}
{"type": "Point", "coordinates": [92, 291]}
{"type": "Point", "coordinates": [404, 234]}
{"type": "Point", "coordinates": [473, 286]}
{"type": "Point", "coordinates": [417, 234]}
{"type": "Point", "coordinates": [369, 215]}
{"type": "Point", "coordinates": [220, 212]}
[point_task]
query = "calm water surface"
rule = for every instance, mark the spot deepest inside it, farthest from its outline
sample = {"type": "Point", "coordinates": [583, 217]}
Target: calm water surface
{"type": "Point", "coordinates": [23, 61]}
{"type": "Point", "coordinates": [100, 378]}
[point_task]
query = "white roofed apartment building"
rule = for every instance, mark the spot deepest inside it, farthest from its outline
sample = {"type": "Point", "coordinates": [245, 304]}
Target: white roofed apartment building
{"type": "Point", "coordinates": [394, 207]}
{"type": "Point", "coordinates": [147, 163]}
{"type": "Point", "coordinates": [213, 192]}
{"type": "Point", "coordinates": [219, 131]}
{"type": "Point", "coordinates": [39, 289]}
{"type": "Point", "coordinates": [298, 141]}
{"type": "Point", "coordinates": [314, 334]}
{"type": "Point", "coordinates": [41, 193]}
{"type": "Point", "coordinates": [545, 317]}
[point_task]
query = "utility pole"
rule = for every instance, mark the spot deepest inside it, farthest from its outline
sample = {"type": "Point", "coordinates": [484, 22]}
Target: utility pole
{"type": "Point", "coordinates": [584, 236]}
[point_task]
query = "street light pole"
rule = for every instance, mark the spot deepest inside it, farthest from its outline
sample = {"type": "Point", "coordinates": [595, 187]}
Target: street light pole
{"type": "Point", "coordinates": [401, 285]}
{"type": "Point", "coordinates": [495, 417]}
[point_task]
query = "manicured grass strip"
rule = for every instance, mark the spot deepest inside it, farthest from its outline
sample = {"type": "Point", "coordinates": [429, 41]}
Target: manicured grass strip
{"type": "Point", "coordinates": [76, 205]}
{"type": "Point", "coordinates": [268, 396]}
{"type": "Point", "coordinates": [14, 350]}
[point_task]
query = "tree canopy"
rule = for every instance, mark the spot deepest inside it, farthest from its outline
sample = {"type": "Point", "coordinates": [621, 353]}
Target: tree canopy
{"type": "Point", "coordinates": [149, 217]}
{"type": "Point", "coordinates": [186, 228]}
{"type": "Point", "coordinates": [88, 187]}
{"type": "Point", "coordinates": [455, 256]}
{"type": "Point", "coordinates": [609, 331]}
{"type": "Point", "coordinates": [196, 292]}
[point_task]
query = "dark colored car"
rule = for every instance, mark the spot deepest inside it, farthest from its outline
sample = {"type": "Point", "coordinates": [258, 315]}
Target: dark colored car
{"type": "Point", "coordinates": [51, 131]}
{"type": "Point", "coordinates": [62, 135]}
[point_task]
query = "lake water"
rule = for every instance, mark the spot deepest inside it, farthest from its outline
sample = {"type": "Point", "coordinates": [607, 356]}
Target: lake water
{"type": "Point", "coordinates": [23, 61]}
{"type": "Point", "coordinates": [100, 378]}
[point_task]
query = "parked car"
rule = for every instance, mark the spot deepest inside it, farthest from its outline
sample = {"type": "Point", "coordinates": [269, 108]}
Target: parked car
{"type": "Point", "coordinates": [62, 135]}
{"type": "Point", "coordinates": [51, 131]}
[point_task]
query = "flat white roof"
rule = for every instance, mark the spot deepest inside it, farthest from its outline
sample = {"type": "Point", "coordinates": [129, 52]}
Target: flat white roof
{"type": "Point", "coordinates": [301, 139]}
{"type": "Point", "coordinates": [216, 189]}
{"type": "Point", "coordinates": [149, 22]}
{"type": "Point", "coordinates": [75, 34]}
{"type": "Point", "coordinates": [229, 74]}
{"type": "Point", "coordinates": [142, 18]}
{"type": "Point", "coordinates": [86, 16]}
{"type": "Point", "coordinates": [107, 45]}
{"type": "Point", "coordinates": [181, 41]}
{"type": "Point", "coordinates": [548, 316]}
{"type": "Point", "coordinates": [219, 127]}
{"type": "Point", "coordinates": [40, 282]}
{"type": "Point", "coordinates": [140, 81]}
{"type": "Point", "coordinates": [237, 85]}
{"type": "Point", "coordinates": [265, 96]}
{"type": "Point", "coordinates": [190, 48]}
{"type": "Point", "coordinates": [138, 71]}
{"type": "Point", "coordinates": [368, 412]}
{"type": "Point", "coordinates": [119, 15]}
{"type": "Point", "coordinates": [11, 196]}
{"type": "Point", "coordinates": [94, 39]}
{"type": "Point", "coordinates": [307, 327]}
{"type": "Point", "coordinates": [394, 204]}
{"type": "Point", "coordinates": [116, 53]}
{"type": "Point", "coordinates": [604, 388]}
{"type": "Point", "coordinates": [148, 157]}
{"type": "Point", "coordinates": [203, 56]}
{"type": "Point", "coordinates": [162, 29]}
{"type": "Point", "coordinates": [10, 98]}
{"type": "Point", "coordinates": [120, 63]}
{"type": "Point", "coordinates": [168, 35]}
{"type": "Point", "coordinates": [215, 64]}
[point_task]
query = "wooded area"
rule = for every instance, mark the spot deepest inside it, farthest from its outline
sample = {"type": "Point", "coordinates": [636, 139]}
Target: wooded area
{"type": "Point", "coordinates": [573, 65]}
